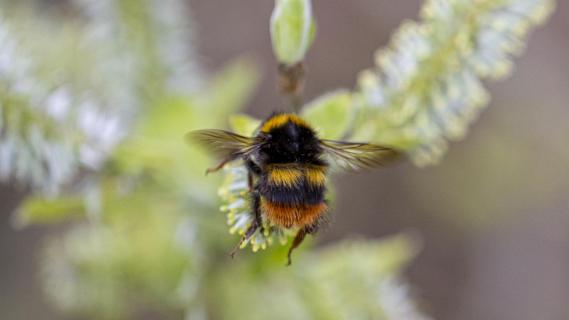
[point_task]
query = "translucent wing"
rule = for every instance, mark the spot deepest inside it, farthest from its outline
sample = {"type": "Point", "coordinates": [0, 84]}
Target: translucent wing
{"type": "Point", "coordinates": [223, 143]}
{"type": "Point", "coordinates": [357, 156]}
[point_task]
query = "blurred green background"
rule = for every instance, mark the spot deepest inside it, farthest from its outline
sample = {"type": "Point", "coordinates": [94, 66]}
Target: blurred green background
{"type": "Point", "coordinates": [492, 218]}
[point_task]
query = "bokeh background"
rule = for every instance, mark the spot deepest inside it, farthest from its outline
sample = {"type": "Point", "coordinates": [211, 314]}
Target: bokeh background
{"type": "Point", "coordinates": [493, 216]}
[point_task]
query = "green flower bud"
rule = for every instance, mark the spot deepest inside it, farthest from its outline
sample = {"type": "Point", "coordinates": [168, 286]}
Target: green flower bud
{"type": "Point", "coordinates": [292, 30]}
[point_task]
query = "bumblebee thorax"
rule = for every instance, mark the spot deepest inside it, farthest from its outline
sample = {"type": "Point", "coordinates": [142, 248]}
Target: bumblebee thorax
{"type": "Point", "coordinates": [288, 138]}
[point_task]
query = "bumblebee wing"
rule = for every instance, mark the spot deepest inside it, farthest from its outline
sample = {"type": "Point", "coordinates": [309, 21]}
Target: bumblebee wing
{"type": "Point", "coordinates": [223, 143]}
{"type": "Point", "coordinates": [355, 156]}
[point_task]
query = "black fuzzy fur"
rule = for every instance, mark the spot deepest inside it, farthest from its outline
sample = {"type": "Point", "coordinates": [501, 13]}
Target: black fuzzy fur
{"type": "Point", "coordinates": [292, 144]}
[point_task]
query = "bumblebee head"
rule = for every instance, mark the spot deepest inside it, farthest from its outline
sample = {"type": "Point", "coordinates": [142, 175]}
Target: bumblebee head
{"type": "Point", "coordinates": [287, 138]}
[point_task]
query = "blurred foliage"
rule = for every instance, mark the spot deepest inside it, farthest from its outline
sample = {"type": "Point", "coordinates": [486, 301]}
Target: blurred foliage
{"type": "Point", "coordinates": [344, 281]}
{"type": "Point", "coordinates": [426, 86]}
{"type": "Point", "coordinates": [56, 116]}
{"type": "Point", "coordinates": [94, 107]}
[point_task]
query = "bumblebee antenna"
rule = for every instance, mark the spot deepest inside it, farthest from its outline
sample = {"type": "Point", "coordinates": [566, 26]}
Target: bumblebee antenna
{"type": "Point", "coordinates": [291, 83]}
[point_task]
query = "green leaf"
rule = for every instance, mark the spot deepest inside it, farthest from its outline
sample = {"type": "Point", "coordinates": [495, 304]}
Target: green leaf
{"type": "Point", "coordinates": [243, 124]}
{"type": "Point", "coordinates": [232, 88]}
{"type": "Point", "coordinates": [330, 114]}
{"type": "Point", "coordinates": [39, 210]}
{"type": "Point", "coordinates": [385, 257]}
{"type": "Point", "coordinates": [292, 30]}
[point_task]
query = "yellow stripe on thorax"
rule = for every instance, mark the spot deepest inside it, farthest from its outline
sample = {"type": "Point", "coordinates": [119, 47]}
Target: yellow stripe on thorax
{"type": "Point", "coordinates": [280, 120]}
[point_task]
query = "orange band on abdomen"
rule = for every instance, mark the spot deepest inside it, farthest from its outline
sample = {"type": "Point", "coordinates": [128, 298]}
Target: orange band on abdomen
{"type": "Point", "coordinates": [288, 216]}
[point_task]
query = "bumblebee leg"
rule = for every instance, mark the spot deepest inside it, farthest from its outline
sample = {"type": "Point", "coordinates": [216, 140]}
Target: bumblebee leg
{"type": "Point", "coordinates": [250, 180]}
{"type": "Point", "coordinates": [256, 206]}
{"type": "Point", "coordinates": [219, 166]}
{"type": "Point", "coordinates": [250, 231]}
{"type": "Point", "coordinates": [295, 243]}
{"type": "Point", "coordinates": [252, 170]}
{"type": "Point", "coordinates": [256, 224]}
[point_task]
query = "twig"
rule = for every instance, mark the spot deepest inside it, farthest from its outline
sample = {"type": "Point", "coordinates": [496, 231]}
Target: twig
{"type": "Point", "coordinates": [291, 83]}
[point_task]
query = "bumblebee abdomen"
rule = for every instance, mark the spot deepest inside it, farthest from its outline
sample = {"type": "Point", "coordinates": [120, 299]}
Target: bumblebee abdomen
{"type": "Point", "coordinates": [292, 195]}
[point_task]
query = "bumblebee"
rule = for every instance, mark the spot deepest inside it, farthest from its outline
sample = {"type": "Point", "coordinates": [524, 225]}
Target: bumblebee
{"type": "Point", "coordinates": [288, 166]}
